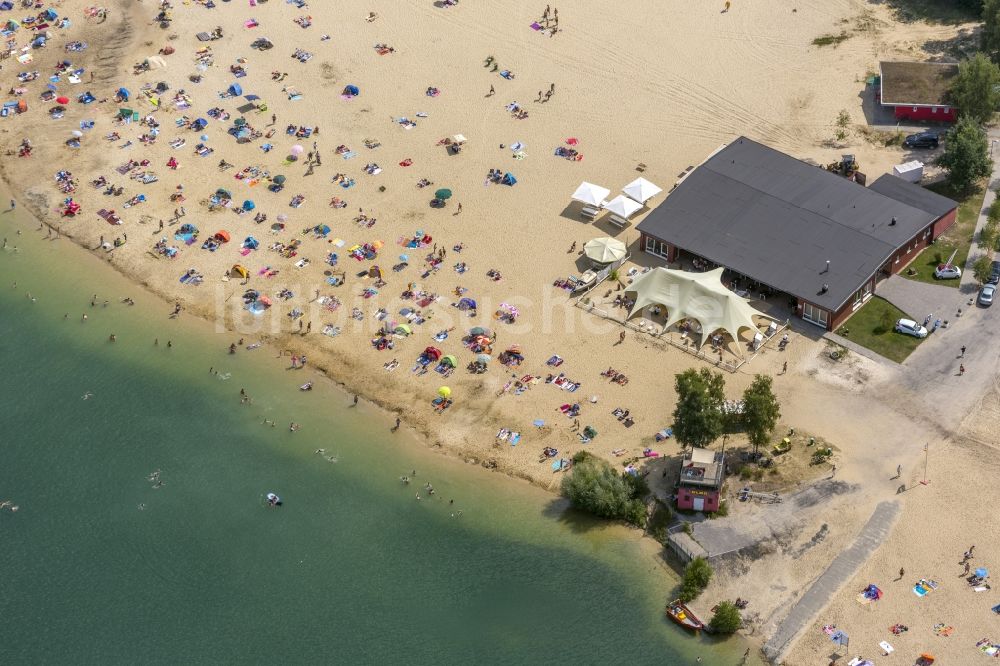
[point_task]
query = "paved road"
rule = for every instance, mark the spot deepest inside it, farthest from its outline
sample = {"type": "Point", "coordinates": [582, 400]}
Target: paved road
{"type": "Point", "coordinates": [836, 575]}
{"type": "Point", "coordinates": [919, 299]}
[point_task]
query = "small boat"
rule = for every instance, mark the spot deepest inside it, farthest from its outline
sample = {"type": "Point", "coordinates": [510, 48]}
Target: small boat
{"type": "Point", "coordinates": [273, 500]}
{"type": "Point", "coordinates": [306, 387]}
{"type": "Point", "coordinates": [683, 616]}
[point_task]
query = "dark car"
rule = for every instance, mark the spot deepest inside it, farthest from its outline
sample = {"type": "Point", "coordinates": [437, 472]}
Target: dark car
{"type": "Point", "coordinates": [994, 273]}
{"type": "Point", "coordinates": [921, 140]}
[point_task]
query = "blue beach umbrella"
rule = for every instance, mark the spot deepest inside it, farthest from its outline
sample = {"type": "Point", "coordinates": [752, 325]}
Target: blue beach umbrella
{"type": "Point", "coordinates": [249, 205]}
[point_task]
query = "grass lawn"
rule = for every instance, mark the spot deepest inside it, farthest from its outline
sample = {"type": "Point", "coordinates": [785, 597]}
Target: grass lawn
{"type": "Point", "coordinates": [958, 237]}
{"type": "Point", "coordinates": [872, 327]}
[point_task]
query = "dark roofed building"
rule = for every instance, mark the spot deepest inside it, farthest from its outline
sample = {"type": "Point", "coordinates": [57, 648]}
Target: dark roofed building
{"type": "Point", "coordinates": [794, 228]}
{"type": "Point", "coordinates": [918, 90]}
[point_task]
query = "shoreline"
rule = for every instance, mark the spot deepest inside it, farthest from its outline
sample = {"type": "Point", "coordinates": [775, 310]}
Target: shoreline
{"type": "Point", "coordinates": [525, 240]}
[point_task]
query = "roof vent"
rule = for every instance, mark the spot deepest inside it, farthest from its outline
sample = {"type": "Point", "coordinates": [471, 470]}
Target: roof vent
{"type": "Point", "coordinates": [893, 222]}
{"type": "Point", "coordinates": [825, 289]}
{"type": "Point", "coordinates": [827, 269]}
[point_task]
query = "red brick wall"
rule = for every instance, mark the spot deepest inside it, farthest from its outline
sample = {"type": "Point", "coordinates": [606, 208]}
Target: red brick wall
{"type": "Point", "coordinates": [944, 222]}
{"type": "Point", "coordinates": [685, 499]}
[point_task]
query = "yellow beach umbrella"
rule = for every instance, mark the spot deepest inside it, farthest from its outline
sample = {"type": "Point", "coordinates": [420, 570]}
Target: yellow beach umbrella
{"type": "Point", "coordinates": [444, 392]}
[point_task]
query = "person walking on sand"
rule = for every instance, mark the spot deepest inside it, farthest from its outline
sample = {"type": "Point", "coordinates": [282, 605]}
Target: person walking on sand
{"type": "Point", "coordinates": [727, 7]}
{"type": "Point", "coordinates": [784, 367]}
{"type": "Point", "coordinates": [621, 337]}
{"type": "Point", "coordinates": [961, 369]}
{"type": "Point", "coordinates": [901, 573]}
{"type": "Point", "coordinates": [13, 204]}
{"type": "Point", "coordinates": [493, 91]}
{"type": "Point", "coordinates": [962, 355]}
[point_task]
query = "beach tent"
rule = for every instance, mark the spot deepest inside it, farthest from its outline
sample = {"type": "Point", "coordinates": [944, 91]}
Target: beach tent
{"type": "Point", "coordinates": [622, 206]}
{"type": "Point", "coordinates": [432, 353]}
{"type": "Point", "coordinates": [403, 329]}
{"type": "Point", "coordinates": [698, 296]}
{"type": "Point", "coordinates": [123, 94]}
{"type": "Point", "coordinates": [450, 360]}
{"type": "Point", "coordinates": [221, 236]}
{"type": "Point", "coordinates": [322, 229]}
{"type": "Point", "coordinates": [251, 242]}
{"type": "Point", "coordinates": [467, 304]}
{"type": "Point", "coordinates": [224, 193]}
{"type": "Point", "coordinates": [483, 358]}
{"type": "Point", "coordinates": [605, 250]}
{"type": "Point", "coordinates": [508, 179]}
{"type": "Point", "coordinates": [279, 180]}
{"type": "Point", "coordinates": [590, 194]}
{"type": "Point", "coordinates": [352, 90]}
{"type": "Point", "coordinates": [235, 89]}
{"type": "Point", "coordinates": [239, 270]}
{"type": "Point", "coordinates": [249, 205]}
{"type": "Point", "coordinates": [641, 190]}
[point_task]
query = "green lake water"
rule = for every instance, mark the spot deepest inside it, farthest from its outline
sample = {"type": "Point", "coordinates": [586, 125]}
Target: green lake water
{"type": "Point", "coordinates": [101, 567]}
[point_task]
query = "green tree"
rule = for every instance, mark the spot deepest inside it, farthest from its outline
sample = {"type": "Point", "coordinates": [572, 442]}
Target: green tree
{"type": "Point", "coordinates": [697, 575]}
{"type": "Point", "coordinates": [975, 92]}
{"type": "Point", "coordinates": [966, 155]}
{"type": "Point", "coordinates": [698, 414]}
{"type": "Point", "coordinates": [981, 268]}
{"type": "Point", "coordinates": [990, 233]}
{"type": "Point", "coordinates": [596, 487]}
{"type": "Point", "coordinates": [727, 618]}
{"type": "Point", "coordinates": [990, 37]}
{"type": "Point", "coordinates": [761, 411]}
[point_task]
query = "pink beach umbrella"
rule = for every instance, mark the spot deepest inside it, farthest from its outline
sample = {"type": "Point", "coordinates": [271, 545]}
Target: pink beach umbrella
{"type": "Point", "coordinates": [297, 150]}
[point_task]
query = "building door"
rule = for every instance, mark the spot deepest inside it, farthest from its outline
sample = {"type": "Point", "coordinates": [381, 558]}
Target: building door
{"type": "Point", "coordinates": [699, 503]}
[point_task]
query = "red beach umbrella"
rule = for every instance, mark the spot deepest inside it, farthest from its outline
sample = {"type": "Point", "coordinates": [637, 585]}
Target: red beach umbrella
{"type": "Point", "coordinates": [62, 100]}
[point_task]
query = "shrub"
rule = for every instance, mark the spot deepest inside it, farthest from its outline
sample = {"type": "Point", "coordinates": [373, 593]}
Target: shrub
{"type": "Point", "coordinates": [594, 486]}
{"type": "Point", "coordinates": [727, 618]}
{"type": "Point", "coordinates": [697, 576]}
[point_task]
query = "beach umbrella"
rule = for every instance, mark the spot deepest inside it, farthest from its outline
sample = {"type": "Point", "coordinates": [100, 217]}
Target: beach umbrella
{"type": "Point", "coordinates": [297, 150]}
{"type": "Point", "coordinates": [444, 392]}
{"type": "Point", "coordinates": [572, 141]}
{"type": "Point", "coordinates": [641, 190]}
{"type": "Point", "coordinates": [249, 205]}
{"type": "Point", "coordinates": [483, 358]}
{"type": "Point", "coordinates": [432, 353]}
{"type": "Point", "coordinates": [982, 572]}
{"type": "Point", "coordinates": [77, 133]}
{"type": "Point", "coordinates": [240, 122]}
{"type": "Point", "coordinates": [282, 217]}
{"type": "Point", "coordinates": [590, 194]}
{"type": "Point", "coordinates": [538, 423]}
{"type": "Point", "coordinates": [323, 229]}
{"type": "Point", "coordinates": [204, 137]}
{"type": "Point", "coordinates": [62, 100]}
{"type": "Point", "coordinates": [352, 90]}
{"type": "Point", "coordinates": [479, 330]}
{"type": "Point", "coordinates": [443, 193]}
{"type": "Point", "coordinates": [279, 180]}
{"type": "Point", "coordinates": [467, 304]}
{"type": "Point", "coordinates": [622, 206]}
{"type": "Point", "coordinates": [124, 93]}
{"type": "Point", "coordinates": [605, 250]}
{"type": "Point", "coordinates": [404, 257]}
{"type": "Point", "coordinates": [251, 98]}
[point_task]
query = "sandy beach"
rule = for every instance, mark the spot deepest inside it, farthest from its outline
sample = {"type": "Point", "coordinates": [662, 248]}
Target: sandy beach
{"type": "Point", "coordinates": [660, 85]}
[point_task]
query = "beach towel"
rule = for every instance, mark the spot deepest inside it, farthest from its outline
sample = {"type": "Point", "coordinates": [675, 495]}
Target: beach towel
{"type": "Point", "coordinates": [941, 630]}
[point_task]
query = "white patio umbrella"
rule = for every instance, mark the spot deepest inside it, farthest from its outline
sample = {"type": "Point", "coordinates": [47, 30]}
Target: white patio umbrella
{"type": "Point", "coordinates": [622, 206]}
{"type": "Point", "coordinates": [641, 190]}
{"type": "Point", "coordinates": [605, 250]}
{"type": "Point", "coordinates": [590, 194]}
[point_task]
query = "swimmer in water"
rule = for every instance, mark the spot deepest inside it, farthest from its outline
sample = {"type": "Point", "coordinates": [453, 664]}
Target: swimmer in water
{"type": "Point", "coordinates": [319, 451]}
{"type": "Point", "coordinates": [86, 396]}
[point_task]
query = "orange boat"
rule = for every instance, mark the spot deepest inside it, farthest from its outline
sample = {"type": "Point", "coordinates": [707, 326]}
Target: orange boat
{"type": "Point", "coordinates": [683, 616]}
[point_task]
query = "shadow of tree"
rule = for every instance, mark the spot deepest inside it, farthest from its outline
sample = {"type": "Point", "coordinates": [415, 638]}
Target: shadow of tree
{"type": "Point", "coordinates": [934, 11]}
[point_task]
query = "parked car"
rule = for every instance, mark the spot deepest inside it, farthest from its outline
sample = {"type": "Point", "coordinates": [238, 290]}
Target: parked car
{"type": "Point", "coordinates": [921, 140]}
{"type": "Point", "coordinates": [910, 327]}
{"type": "Point", "coordinates": [947, 272]}
{"type": "Point", "coordinates": [994, 273]}
{"type": "Point", "coordinates": [986, 295]}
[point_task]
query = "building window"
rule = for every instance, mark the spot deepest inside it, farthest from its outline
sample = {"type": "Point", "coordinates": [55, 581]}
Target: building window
{"type": "Point", "coordinates": [927, 232]}
{"type": "Point", "coordinates": [816, 315]}
{"type": "Point", "coordinates": [657, 247]}
{"type": "Point", "coordinates": [914, 109]}
{"type": "Point", "coordinates": [933, 109]}
{"type": "Point", "coordinates": [862, 295]}
{"type": "Point", "coordinates": [945, 110]}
